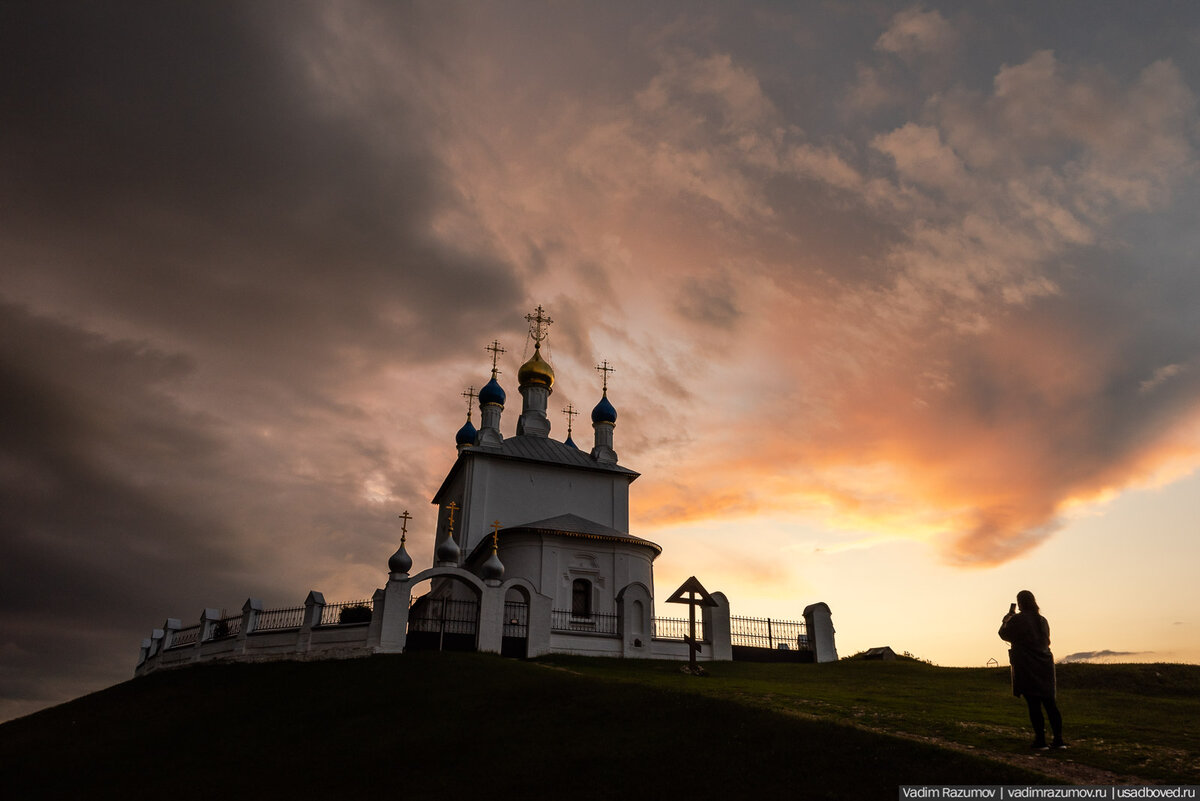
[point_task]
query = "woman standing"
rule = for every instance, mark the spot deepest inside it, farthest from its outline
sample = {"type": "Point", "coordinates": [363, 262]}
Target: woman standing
{"type": "Point", "coordinates": [1028, 634]}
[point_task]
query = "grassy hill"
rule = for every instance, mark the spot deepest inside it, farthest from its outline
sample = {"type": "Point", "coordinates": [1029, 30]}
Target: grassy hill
{"type": "Point", "coordinates": [456, 725]}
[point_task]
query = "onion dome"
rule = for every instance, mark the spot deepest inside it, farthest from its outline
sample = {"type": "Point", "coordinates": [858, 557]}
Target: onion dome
{"type": "Point", "coordinates": [448, 551]}
{"type": "Point", "coordinates": [537, 371]}
{"type": "Point", "coordinates": [570, 443]}
{"type": "Point", "coordinates": [466, 435]}
{"type": "Point", "coordinates": [604, 412]}
{"type": "Point", "coordinates": [400, 562]}
{"type": "Point", "coordinates": [492, 392]}
{"type": "Point", "coordinates": [493, 568]}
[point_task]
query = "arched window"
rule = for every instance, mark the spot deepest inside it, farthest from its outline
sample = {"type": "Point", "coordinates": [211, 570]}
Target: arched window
{"type": "Point", "coordinates": [581, 598]}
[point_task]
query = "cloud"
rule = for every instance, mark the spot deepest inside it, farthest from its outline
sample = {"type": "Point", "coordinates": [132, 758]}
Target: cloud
{"type": "Point", "coordinates": [916, 31]}
{"type": "Point", "coordinates": [1101, 656]}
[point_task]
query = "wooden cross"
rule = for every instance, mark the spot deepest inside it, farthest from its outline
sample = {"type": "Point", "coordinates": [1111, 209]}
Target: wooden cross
{"type": "Point", "coordinates": [537, 324]}
{"type": "Point", "coordinates": [696, 596]}
{"type": "Point", "coordinates": [571, 415]}
{"type": "Point", "coordinates": [404, 518]}
{"type": "Point", "coordinates": [495, 350]}
{"type": "Point", "coordinates": [604, 370]}
{"type": "Point", "coordinates": [470, 395]}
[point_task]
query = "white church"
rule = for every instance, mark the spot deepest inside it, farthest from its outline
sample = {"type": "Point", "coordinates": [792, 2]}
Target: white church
{"type": "Point", "coordinates": [532, 555]}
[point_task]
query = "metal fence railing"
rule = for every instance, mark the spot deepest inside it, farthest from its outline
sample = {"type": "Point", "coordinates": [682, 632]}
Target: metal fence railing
{"type": "Point", "coordinates": [676, 628]}
{"type": "Point", "coordinates": [516, 620]}
{"type": "Point", "coordinates": [186, 636]}
{"type": "Point", "coordinates": [443, 615]}
{"type": "Point", "coordinates": [765, 632]}
{"type": "Point", "coordinates": [226, 627]}
{"type": "Point", "coordinates": [271, 619]}
{"type": "Point", "coordinates": [347, 612]}
{"type": "Point", "coordinates": [564, 621]}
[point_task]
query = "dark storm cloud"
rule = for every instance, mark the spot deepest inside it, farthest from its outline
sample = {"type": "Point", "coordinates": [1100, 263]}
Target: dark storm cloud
{"type": "Point", "coordinates": [172, 175]}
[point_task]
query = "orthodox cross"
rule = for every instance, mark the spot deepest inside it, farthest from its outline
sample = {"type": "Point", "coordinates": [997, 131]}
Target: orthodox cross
{"type": "Point", "coordinates": [495, 350]}
{"type": "Point", "coordinates": [452, 508]}
{"type": "Point", "coordinates": [495, 535]}
{"type": "Point", "coordinates": [604, 370]}
{"type": "Point", "coordinates": [404, 518]}
{"type": "Point", "coordinates": [571, 415]}
{"type": "Point", "coordinates": [470, 395]}
{"type": "Point", "coordinates": [537, 324]}
{"type": "Point", "coordinates": [696, 595]}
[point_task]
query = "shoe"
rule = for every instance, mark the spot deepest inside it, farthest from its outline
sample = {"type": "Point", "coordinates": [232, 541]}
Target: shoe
{"type": "Point", "coordinates": [1058, 745]}
{"type": "Point", "coordinates": [1039, 745]}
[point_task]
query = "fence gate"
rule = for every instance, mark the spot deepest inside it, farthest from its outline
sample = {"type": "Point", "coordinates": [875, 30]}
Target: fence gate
{"type": "Point", "coordinates": [442, 624]}
{"type": "Point", "coordinates": [515, 641]}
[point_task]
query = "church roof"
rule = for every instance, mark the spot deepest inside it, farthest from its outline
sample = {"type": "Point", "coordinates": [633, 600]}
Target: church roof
{"type": "Point", "coordinates": [571, 525]}
{"type": "Point", "coordinates": [541, 450]}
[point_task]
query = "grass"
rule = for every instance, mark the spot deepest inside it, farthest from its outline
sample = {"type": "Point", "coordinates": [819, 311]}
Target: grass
{"type": "Point", "coordinates": [1140, 721]}
{"type": "Point", "coordinates": [457, 725]}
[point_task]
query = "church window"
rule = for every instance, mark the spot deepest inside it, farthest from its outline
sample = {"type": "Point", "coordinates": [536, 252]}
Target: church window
{"type": "Point", "coordinates": [581, 598]}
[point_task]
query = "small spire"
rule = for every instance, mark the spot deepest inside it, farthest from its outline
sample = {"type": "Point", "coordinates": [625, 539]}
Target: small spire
{"type": "Point", "coordinates": [604, 369]}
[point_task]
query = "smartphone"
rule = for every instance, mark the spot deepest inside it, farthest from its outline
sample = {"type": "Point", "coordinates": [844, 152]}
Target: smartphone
{"type": "Point", "coordinates": [1012, 609]}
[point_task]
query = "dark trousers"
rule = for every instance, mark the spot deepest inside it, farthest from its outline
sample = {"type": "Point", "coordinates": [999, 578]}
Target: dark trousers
{"type": "Point", "coordinates": [1035, 704]}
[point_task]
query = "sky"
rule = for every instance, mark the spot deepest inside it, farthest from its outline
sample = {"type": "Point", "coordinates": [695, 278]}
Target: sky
{"type": "Point", "coordinates": [901, 301]}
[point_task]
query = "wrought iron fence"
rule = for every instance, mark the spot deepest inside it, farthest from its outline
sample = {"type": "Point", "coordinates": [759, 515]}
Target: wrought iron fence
{"type": "Point", "coordinates": [563, 620]}
{"type": "Point", "coordinates": [186, 636]}
{"type": "Point", "coordinates": [444, 615]}
{"type": "Point", "coordinates": [347, 612]}
{"type": "Point", "coordinates": [516, 620]}
{"type": "Point", "coordinates": [290, 618]}
{"type": "Point", "coordinates": [226, 627]}
{"type": "Point", "coordinates": [676, 628]}
{"type": "Point", "coordinates": [765, 632]}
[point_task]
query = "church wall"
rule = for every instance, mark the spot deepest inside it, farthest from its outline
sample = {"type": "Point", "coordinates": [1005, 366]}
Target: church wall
{"type": "Point", "coordinates": [517, 492]}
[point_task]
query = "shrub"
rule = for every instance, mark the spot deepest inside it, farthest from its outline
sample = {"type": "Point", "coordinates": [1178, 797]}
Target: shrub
{"type": "Point", "coordinates": [359, 613]}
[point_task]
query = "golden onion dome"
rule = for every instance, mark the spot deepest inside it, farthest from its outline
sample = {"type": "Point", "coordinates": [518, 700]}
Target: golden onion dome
{"type": "Point", "coordinates": [536, 371]}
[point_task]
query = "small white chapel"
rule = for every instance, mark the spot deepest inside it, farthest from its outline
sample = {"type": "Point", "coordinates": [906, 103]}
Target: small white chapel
{"type": "Point", "coordinates": [532, 555]}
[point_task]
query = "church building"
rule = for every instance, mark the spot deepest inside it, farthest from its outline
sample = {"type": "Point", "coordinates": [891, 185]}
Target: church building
{"type": "Point", "coordinates": [533, 554]}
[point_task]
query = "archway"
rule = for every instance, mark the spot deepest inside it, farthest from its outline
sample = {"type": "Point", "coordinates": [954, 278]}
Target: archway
{"type": "Point", "coordinates": [515, 640]}
{"type": "Point", "coordinates": [446, 618]}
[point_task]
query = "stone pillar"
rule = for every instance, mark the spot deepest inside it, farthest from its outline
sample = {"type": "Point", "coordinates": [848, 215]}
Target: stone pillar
{"type": "Point", "coordinates": [250, 612]}
{"type": "Point", "coordinates": [208, 619]}
{"type": "Point", "coordinates": [393, 618]}
{"type": "Point", "coordinates": [533, 421]}
{"type": "Point", "coordinates": [375, 628]}
{"type": "Point", "coordinates": [635, 607]}
{"type": "Point", "coordinates": [491, 619]}
{"type": "Point", "coordinates": [489, 425]}
{"type": "Point", "coordinates": [717, 627]}
{"type": "Point", "coordinates": [314, 605]}
{"type": "Point", "coordinates": [819, 621]}
{"type": "Point", "coordinates": [167, 633]}
{"type": "Point", "coordinates": [156, 641]}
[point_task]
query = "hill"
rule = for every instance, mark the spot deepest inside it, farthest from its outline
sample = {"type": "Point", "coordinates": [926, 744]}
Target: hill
{"type": "Point", "coordinates": [452, 725]}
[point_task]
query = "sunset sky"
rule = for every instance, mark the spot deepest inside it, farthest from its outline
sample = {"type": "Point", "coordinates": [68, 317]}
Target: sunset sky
{"type": "Point", "coordinates": [903, 303]}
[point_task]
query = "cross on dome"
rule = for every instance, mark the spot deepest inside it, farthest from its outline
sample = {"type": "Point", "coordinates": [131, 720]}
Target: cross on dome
{"type": "Point", "coordinates": [470, 395]}
{"type": "Point", "coordinates": [404, 518]}
{"type": "Point", "coordinates": [538, 322]}
{"type": "Point", "coordinates": [604, 370]}
{"type": "Point", "coordinates": [495, 350]}
{"type": "Point", "coordinates": [571, 414]}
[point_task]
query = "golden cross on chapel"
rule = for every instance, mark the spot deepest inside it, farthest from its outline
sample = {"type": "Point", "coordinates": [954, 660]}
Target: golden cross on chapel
{"type": "Point", "coordinates": [538, 321]}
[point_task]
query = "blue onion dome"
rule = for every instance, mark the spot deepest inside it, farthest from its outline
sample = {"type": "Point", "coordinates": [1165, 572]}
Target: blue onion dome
{"type": "Point", "coordinates": [536, 371]}
{"type": "Point", "coordinates": [492, 392]}
{"type": "Point", "coordinates": [604, 411]}
{"type": "Point", "coordinates": [570, 443]}
{"type": "Point", "coordinates": [466, 435]}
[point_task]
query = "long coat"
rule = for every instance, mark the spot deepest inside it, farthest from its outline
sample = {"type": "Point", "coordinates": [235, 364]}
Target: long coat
{"type": "Point", "coordinates": [1028, 634]}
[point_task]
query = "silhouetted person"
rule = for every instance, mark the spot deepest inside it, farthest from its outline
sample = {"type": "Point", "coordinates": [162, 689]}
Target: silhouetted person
{"type": "Point", "coordinates": [1028, 634]}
